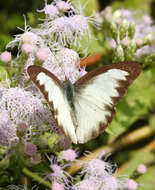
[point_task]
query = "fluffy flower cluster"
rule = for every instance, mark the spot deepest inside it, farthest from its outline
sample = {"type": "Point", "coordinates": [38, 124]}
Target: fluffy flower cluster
{"type": "Point", "coordinates": [50, 45]}
{"type": "Point", "coordinates": [97, 174]}
{"type": "Point", "coordinates": [64, 24]}
{"type": "Point", "coordinates": [65, 64]}
{"type": "Point", "coordinates": [18, 106]}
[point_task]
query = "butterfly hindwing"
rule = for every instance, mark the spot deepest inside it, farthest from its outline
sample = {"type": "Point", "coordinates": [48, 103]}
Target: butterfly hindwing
{"type": "Point", "coordinates": [95, 97]}
{"type": "Point", "coordinates": [52, 89]}
{"type": "Point", "coordinates": [97, 94]}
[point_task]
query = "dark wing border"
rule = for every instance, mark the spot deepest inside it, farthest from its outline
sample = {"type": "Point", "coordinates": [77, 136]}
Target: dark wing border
{"type": "Point", "coordinates": [33, 72]}
{"type": "Point", "coordinates": [133, 68]}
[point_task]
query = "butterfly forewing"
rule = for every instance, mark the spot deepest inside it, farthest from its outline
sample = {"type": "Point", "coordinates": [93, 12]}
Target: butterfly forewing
{"type": "Point", "coordinates": [95, 97]}
{"type": "Point", "coordinates": [52, 89]}
{"type": "Point", "coordinates": [98, 93]}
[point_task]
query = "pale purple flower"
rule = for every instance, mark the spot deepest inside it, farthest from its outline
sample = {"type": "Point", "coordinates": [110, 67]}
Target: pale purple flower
{"type": "Point", "coordinates": [28, 48]}
{"type": "Point", "coordinates": [63, 6]}
{"type": "Point", "coordinates": [99, 174]}
{"type": "Point", "coordinates": [104, 183]}
{"type": "Point", "coordinates": [131, 184]}
{"type": "Point", "coordinates": [65, 30]}
{"type": "Point", "coordinates": [141, 169]}
{"type": "Point", "coordinates": [112, 43]}
{"type": "Point", "coordinates": [22, 106]}
{"type": "Point", "coordinates": [59, 174]}
{"type": "Point", "coordinates": [30, 149]}
{"type": "Point", "coordinates": [7, 129]}
{"type": "Point", "coordinates": [57, 30]}
{"type": "Point", "coordinates": [78, 24]}
{"type": "Point", "coordinates": [68, 57]}
{"type": "Point", "coordinates": [147, 19]}
{"type": "Point", "coordinates": [43, 54]}
{"type": "Point", "coordinates": [57, 171]}
{"type": "Point", "coordinates": [110, 183]}
{"type": "Point", "coordinates": [28, 37]}
{"type": "Point", "coordinates": [86, 184]}
{"type": "Point", "coordinates": [24, 77]}
{"type": "Point", "coordinates": [57, 186]}
{"type": "Point", "coordinates": [98, 167]}
{"type": "Point", "coordinates": [69, 155]}
{"type": "Point", "coordinates": [5, 57]}
{"type": "Point", "coordinates": [65, 64]}
{"type": "Point", "coordinates": [51, 10]}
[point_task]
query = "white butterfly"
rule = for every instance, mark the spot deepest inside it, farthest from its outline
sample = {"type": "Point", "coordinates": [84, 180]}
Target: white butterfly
{"type": "Point", "coordinates": [84, 109]}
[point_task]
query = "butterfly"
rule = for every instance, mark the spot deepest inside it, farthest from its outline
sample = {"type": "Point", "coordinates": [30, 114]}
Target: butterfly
{"type": "Point", "coordinates": [84, 109]}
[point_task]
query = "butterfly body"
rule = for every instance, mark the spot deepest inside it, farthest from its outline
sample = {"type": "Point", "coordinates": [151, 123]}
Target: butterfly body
{"type": "Point", "coordinates": [84, 109]}
{"type": "Point", "coordinates": [69, 91]}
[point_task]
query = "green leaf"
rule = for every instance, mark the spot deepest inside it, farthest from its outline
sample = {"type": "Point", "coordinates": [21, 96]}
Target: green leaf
{"type": "Point", "coordinates": [89, 6]}
{"type": "Point", "coordinates": [3, 74]}
{"type": "Point", "coordinates": [141, 157]}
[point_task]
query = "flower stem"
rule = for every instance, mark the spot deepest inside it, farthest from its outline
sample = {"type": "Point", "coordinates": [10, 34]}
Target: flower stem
{"type": "Point", "coordinates": [36, 177]}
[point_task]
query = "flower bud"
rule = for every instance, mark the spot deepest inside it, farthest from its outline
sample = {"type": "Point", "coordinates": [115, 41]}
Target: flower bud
{"type": "Point", "coordinates": [131, 185]}
{"type": "Point", "coordinates": [118, 55]}
{"type": "Point", "coordinates": [21, 129]}
{"type": "Point", "coordinates": [5, 57]}
{"type": "Point", "coordinates": [114, 31]}
{"type": "Point", "coordinates": [131, 30]}
{"type": "Point", "coordinates": [141, 169]}
{"type": "Point", "coordinates": [126, 42]}
{"type": "Point", "coordinates": [123, 29]}
{"type": "Point", "coordinates": [149, 59]}
{"type": "Point", "coordinates": [129, 55]}
{"type": "Point", "coordinates": [28, 48]}
{"type": "Point", "coordinates": [147, 39]}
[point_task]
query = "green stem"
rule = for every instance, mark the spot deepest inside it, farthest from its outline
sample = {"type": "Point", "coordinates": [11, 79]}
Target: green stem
{"type": "Point", "coordinates": [36, 178]}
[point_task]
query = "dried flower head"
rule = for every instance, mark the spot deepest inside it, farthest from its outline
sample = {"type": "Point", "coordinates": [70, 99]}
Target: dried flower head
{"type": "Point", "coordinates": [35, 159]}
{"type": "Point", "coordinates": [30, 149]}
